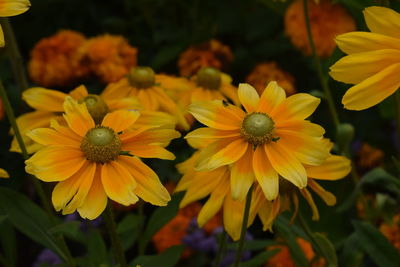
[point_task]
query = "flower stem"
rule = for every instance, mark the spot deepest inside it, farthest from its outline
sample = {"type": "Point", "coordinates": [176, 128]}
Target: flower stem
{"type": "Point", "coordinates": [323, 79]}
{"type": "Point", "coordinates": [109, 219]}
{"type": "Point", "coordinates": [17, 63]}
{"type": "Point", "coordinates": [308, 232]}
{"type": "Point", "coordinates": [221, 248]}
{"type": "Point", "coordinates": [244, 227]}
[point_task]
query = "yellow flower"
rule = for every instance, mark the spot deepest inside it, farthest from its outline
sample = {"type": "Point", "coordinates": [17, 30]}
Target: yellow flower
{"type": "Point", "coordinates": [327, 20]}
{"type": "Point", "coordinates": [146, 86]}
{"type": "Point", "coordinates": [4, 173]}
{"type": "Point", "coordinates": [48, 104]}
{"type": "Point", "coordinates": [334, 168]}
{"type": "Point", "coordinates": [270, 139]}
{"type": "Point", "coordinates": [373, 60]}
{"type": "Point", "coordinates": [10, 8]}
{"type": "Point", "coordinates": [92, 162]}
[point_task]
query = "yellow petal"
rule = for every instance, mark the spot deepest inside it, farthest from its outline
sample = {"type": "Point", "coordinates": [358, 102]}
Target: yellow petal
{"type": "Point", "coordinates": [149, 188]}
{"type": "Point", "coordinates": [123, 103]}
{"type": "Point", "coordinates": [209, 151]}
{"type": "Point", "coordinates": [77, 116]}
{"type": "Point", "coordinates": [228, 155]}
{"type": "Point", "coordinates": [4, 173]}
{"type": "Point", "coordinates": [306, 194]}
{"type": "Point", "coordinates": [44, 99]}
{"type": "Point", "coordinates": [242, 175]}
{"type": "Point", "coordinates": [120, 120]}
{"type": "Point", "coordinates": [357, 42]}
{"type": "Point", "coordinates": [47, 136]}
{"type": "Point", "coordinates": [161, 137]}
{"type": "Point", "coordinates": [357, 67]}
{"type": "Point", "coordinates": [148, 151]}
{"type": "Point", "coordinates": [272, 96]}
{"type": "Point", "coordinates": [118, 183]}
{"type": "Point", "coordinates": [373, 90]}
{"type": "Point", "coordinates": [334, 168]}
{"type": "Point", "coordinates": [215, 115]}
{"type": "Point", "coordinates": [96, 199]}
{"type": "Point", "coordinates": [13, 7]}
{"type": "Point", "coordinates": [204, 135]}
{"type": "Point", "coordinates": [266, 176]}
{"type": "Point", "coordinates": [297, 106]}
{"type": "Point", "coordinates": [382, 20]}
{"type": "Point", "coordinates": [2, 41]}
{"type": "Point", "coordinates": [301, 126]}
{"type": "Point", "coordinates": [79, 92]}
{"type": "Point", "coordinates": [233, 216]}
{"type": "Point", "coordinates": [286, 164]}
{"type": "Point", "coordinates": [248, 96]}
{"type": "Point", "coordinates": [326, 196]}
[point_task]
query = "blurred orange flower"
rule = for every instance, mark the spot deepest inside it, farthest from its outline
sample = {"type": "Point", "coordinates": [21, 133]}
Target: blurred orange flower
{"type": "Point", "coordinates": [392, 231]}
{"type": "Point", "coordinates": [327, 20]}
{"type": "Point", "coordinates": [266, 72]}
{"type": "Point", "coordinates": [54, 60]}
{"type": "Point", "coordinates": [208, 54]}
{"type": "Point", "coordinates": [369, 157]}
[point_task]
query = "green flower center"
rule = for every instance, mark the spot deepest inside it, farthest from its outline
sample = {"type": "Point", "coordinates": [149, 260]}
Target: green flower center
{"type": "Point", "coordinates": [209, 78]}
{"type": "Point", "coordinates": [96, 106]}
{"type": "Point", "coordinates": [257, 128]}
{"type": "Point", "coordinates": [101, 144]}
{"type": "Point", "coordinates": [141, 77]}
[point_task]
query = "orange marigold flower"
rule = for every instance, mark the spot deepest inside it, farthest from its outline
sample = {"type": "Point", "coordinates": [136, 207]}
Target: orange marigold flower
{"type": "Point", "coordinates": [267, 72]}
{"type": "Point", "coordinates": [110, 57]}
{"type": "Point", "coordinates": [208, 54]}
{"type": "Point", "coordinates": [54, 60]}
{"type": "Point", "coordinates": [392, 231]}
{"type": "Point", "coordinates": [327, 20]}
{"type": "Point", "coordinates": [369, 157]}
{"type": "Point", "coordinates": [284, 259]}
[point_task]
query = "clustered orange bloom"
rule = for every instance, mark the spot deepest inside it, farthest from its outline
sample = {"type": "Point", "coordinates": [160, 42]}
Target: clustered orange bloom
{"type": "Point", "coordinates": [66, 57]}
{"type": "Point", "coordinates": [369, 157]}
{"type": "Point", "coordinates": [284, 259]}
{"type": "Point", "coordinates": [208, 54]}
{"type": "Point", "coordinates": [327, 21]}
{"type": "Point", "coordinates": [266, 72]}
{"type": "Point", "coordinates": [392, 231]}
{"type": "Point", "coordinates": [53, 60]}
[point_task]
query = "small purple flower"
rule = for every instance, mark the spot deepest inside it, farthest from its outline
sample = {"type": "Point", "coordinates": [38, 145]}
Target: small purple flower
{"type": "Point", "coordinates": [47, 257]}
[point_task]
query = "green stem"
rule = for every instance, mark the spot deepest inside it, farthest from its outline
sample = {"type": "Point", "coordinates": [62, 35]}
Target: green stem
{"type": "Point", "coordinates": [318, 65]}
{"type": "Point", "coordinates": [38, 186]}
{"type": "Point", "coordinates": [308, 232]}
{"type": "Point", "coordinates": [17, 63]}
{"type": "Point", "coordinates": [221, 248]}
{"type": "Point", "coordinates": [109, 219]}
{"type": "Point", "coordinates": [244, 227]}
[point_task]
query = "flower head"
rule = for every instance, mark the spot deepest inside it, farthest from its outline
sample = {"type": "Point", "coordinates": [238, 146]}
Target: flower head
{"type": "Point", "coordinates": [327, 20]}
{"type": "Point", "coordinates": [54, 61]}
{"type": "Point", "coordinates": [92, 162]}
{"type": "Point", "coordinates": [373, 60]}
{"type": "Point", "coordinates": [208, 54]}
{"type": "Point", "coordinates": [9, 8]}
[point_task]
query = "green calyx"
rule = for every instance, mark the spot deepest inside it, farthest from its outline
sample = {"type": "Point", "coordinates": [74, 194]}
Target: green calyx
{"type": "Point", "coordinates": [141, 77]}
{"type": "Point", "coordinates": [209, 78]}
{"type": "Point", "coordinates": [101, 144]}
{"type": "Point", "coordinates": [257, 128]}
{"type": "Point", "coordinates": [96, 106]}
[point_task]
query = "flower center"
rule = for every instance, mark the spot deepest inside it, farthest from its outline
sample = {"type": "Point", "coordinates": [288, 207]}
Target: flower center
{"type": "Point", "coordinates": [257, 128]}
{"type": "Point", "coordinates": [96, 106]}
{"type": "Point", "coordinates": [209, 78]}
{"type": "Point", "coordinates": [101, 144]}
{"type": "Point", "coordinates": [141, 77]}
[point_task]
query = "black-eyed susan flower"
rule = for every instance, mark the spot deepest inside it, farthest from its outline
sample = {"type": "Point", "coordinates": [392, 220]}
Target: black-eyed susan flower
{"type": "Point", "coordinates": [271, 138]}
{"type": "Point", "coordinates": [143, 83]}
{"type": "Point", "coordinates": [327, 20]}
{"type": "Point", "coordinates": [373, 60]}
{"type": "Point", "coordinates": [92, 162]}
{"type": "Point", "coordinates": [9, 8]}
{"type": "Point", "coordinates": [4, 173]}
{"type": "Point", "coordinates": [48, 105]}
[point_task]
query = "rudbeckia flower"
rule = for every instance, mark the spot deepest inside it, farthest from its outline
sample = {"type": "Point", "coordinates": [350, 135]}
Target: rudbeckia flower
{"type": "Point", "coordinates": [271, 138]}
{"type": "Point", "coordinates": [92, 162]}
{"type": "Point", "coordinates": [10, 8]}
{"type": "Point", "coordinates": [48, 104]}
{"type": "Point", "coordinates": [373, 60]}
{"type": "Point", "coordinates": [4, 173]}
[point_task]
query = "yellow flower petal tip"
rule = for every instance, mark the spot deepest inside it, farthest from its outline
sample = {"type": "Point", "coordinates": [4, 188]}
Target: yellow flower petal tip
{"type": "Point", "coordinates": [4, 174]}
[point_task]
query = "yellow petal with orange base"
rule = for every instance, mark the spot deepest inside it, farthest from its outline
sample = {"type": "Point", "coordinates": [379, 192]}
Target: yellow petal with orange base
{"type": "Point", "coordinates": [248, 97]}
{"type": "Point", "coordinates": [242, 175]}
{"type": "Point", "coordinates": [299, 106]}
{"type": "Point", "coordinates": [229, 154]}
{"type": "Point", "coordinates": [301, 126]}
{"type": "Point", "coordinates": [118, 183]}
{"type": "Point", "coordinates": [148, 151]}
{"type": "Point", "coordinates": [382, 20]}
{"type": "Point", "coordinates": [148, 187]}
{"type": "Point", "coordinates": [47, 136]}
{"type": "Point", "coordinates": [272, 96]}
{"type": "Point", "coordinates": [79, 92]}
{"type": "Point", "coordinates": [373, 90]}
{"type": "Point", "coordinates": [161, 137]}
{"type": "Point", "coordinates": [77, 116]}
{"type": "Point", "coordinates": [10, 8]}
{"type": "Point", "coordinates": [334, 168]}
{"type": "Point", "coordinates": [4, 173]}
{"type": "Point", "coordinates": [203, 136]}
{"type": "Point", "coordinates": [326, 196]}
{"type": "Point", "coordinates": [44, 99]}
{"type": "Point", "coordinates": [120, 120]}
{"type": "Point", "coordinates": [265, 174]}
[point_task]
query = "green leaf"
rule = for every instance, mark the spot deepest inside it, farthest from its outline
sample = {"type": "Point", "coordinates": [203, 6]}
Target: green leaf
{"type": "Point", "coordinates": [70, 229]}
{"type": "Point", "coordinates": [166, 55]}
{"type": "Point", "coordinates": [128, 230]}
{"type": "Point", "coordinates": [8, 242]}
{"type": "Point", "coordinates": [97, 251]}
{"type": "Point", "coordinates": [254, 244]}
{"type": "Point", "coordinates": [327, 250]}
{"type": "Point", "coordinates": [285, 231]}
{"type": "Point", "coordinates": [378, 180]}
{"type": "Point", "coordinates": [376, 245]}
{"type": "Point", "coordinates": [168, 258]}
{"type": "Point", "coordinates": [28, 218]}
{"type": "Point", "coordinates": [260, 259]}
{"type": "Point", "coordinates": [159, 218]}
{"type": "Point", "coordinates": [351, 252]}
